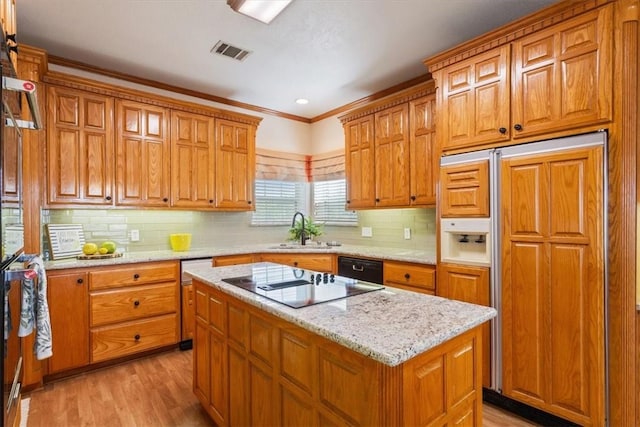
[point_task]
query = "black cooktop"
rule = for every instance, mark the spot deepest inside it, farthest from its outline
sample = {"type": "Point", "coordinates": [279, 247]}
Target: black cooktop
{"type": "Point", "coordinates": [299, 288]}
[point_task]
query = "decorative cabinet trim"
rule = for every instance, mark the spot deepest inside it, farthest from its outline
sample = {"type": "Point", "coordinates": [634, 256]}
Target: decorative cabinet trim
{"type": "Point", "coordinates": [74, 82]}
{"type": "Point", "coordinates": [510, 32]}
{"type": "Point", "coordinates": [397, 99]}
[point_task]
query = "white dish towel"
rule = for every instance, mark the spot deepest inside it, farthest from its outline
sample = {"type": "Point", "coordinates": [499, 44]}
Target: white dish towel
{"type": "Point", "coordinates": [35, 310]}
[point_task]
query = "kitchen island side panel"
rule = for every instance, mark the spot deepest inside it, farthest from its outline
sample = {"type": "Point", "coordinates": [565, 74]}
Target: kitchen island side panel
{"type": "Point", "coordinates": [309, 377]}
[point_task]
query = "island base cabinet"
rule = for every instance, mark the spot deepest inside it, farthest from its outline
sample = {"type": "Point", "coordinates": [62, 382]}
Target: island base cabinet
{"type": "Point", "coordinates": [252, 368]}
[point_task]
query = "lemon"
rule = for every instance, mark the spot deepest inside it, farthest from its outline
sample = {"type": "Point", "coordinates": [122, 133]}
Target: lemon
{"type": "Point", "coordinates": [90, 248]}
{"type": "Point", "coordinates": [103, 251]}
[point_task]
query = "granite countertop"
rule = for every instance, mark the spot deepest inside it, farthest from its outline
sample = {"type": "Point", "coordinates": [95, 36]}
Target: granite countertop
{"type": "Point", "coordinates": [396, 254]}
{"type": "Point", "coordinates": [390, 326]}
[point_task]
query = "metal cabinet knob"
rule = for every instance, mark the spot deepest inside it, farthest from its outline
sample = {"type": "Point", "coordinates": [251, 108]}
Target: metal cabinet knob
{"type": "Point", "coordinates": [518, 126]}
{"type": "Point", "coordinates": [136, 276]}
{"type": "Point", "coordinates": [137, 337]}
{"type": "Point", "coordinates": [80, 281]}
{"type": "Point", "coordinates": [407, 276]}
{"type": "Point", "coordinates": [502, 130]}
{"type": "Point", "coordinates": [136, 303]}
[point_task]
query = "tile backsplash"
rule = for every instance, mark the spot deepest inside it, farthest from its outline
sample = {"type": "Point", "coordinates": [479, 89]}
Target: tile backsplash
{"type": "Point", "coordinates": [234, 228]}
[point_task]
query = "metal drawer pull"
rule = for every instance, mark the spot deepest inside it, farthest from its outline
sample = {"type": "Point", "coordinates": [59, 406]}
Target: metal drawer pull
{"type": "Point", "coordinates": [357, 268]}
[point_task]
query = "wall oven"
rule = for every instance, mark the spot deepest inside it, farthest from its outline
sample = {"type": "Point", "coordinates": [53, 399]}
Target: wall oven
{"type": "Point", "coordinates": [12, 259]}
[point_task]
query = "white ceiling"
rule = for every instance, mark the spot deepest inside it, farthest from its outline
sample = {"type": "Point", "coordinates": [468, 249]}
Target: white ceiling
{"type": "Point", "coordinates": [332, 52]}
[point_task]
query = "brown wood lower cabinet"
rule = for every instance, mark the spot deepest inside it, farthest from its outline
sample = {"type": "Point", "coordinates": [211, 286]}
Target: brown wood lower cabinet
{"type": "Point", "coordinates": [69, 314]}
{"type": "Point", "coordinates": [412, 277]}
{"type": "Point", "coordinates": [252, 368]}
{"type": "Point", "coordinates": [314, 261]}
{"type": "Point", "coordinates": [104, 313]}
{"type": "Point", "coordinates": [469, 284]}
{"type": "Point", "coordinates": [221, 261]}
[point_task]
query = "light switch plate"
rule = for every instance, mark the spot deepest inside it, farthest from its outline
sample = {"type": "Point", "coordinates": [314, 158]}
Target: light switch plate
{"type": "Point", "coordinates": [367, 232]}
{"type": "Point", "coordinates": [407, 233]}
{"type": "Point", "coordinates": [135, 235]}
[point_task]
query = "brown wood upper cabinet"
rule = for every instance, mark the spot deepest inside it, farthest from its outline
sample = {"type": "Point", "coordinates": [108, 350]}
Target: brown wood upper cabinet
{"type": "Point", "coordinates": [79, 147]}
{"type": "Point", "coordinates": [423, 156]}
{"type": "Point", "coordinates": [392, 156]}
{"type": "Point", "coordinates": [192, 160]}
{"type": "Point", "coordinates": [390, 151]}
{"type": "Point", "coordinates": [168, 153]}
{"type": "Point", "coordinates": [552, 80]}
{"type": "Point", "coordinates": [235, 165]}
{"type": "Point", "coordinates": [359, 163]}
{"type": "Point", "coordinates": [142, 154]}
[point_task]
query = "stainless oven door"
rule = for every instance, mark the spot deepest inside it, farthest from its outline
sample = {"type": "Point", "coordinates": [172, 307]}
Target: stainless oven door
{"type": "Point", "coordinates": [12, 344]}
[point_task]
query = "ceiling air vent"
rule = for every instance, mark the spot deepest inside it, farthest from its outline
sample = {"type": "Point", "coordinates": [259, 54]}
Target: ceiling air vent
{"type": "Point", "coordinates": [225, 49]}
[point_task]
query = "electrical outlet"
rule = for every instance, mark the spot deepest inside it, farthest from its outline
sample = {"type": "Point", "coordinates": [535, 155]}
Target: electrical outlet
{"type": "Point", "coordinates": [367, 232]}
{"type": "Point", "coordinates": [135, 235]}
{"type": "Point", "coordinates": [407, 233]}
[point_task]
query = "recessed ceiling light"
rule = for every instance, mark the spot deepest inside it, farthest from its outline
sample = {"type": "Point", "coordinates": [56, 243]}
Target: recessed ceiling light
{"type": "Point", "coordinates": [262, 10]}
{"type": "Point", "coordinates": [302, 101]}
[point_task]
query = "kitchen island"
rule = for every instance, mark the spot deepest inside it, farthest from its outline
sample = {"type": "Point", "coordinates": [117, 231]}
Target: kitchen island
{"type": "Point", "coordinates": [386, 357]}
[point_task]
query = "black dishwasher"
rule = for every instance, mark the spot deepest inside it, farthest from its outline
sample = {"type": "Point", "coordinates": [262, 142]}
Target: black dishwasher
{"type": "Point", "coordinates": [362, 269]}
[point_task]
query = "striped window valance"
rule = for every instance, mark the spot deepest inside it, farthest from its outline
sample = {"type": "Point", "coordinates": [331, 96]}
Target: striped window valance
{"type": "Point", "coordinates": [280, 166]}
{"type": "Point", "coordinates": [327, 166]}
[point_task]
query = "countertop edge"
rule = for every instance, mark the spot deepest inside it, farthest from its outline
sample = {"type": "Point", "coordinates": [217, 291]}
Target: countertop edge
{"type": "Point", "coordinates": [372, 252]}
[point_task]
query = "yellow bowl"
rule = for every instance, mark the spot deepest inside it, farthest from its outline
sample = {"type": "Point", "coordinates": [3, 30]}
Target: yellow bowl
{"type": "Point", "coordinates": [180, 242]}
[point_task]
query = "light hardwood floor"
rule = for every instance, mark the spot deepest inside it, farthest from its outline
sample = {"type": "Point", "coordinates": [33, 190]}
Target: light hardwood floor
{"type": "Point", "coordinates": [150, 392]}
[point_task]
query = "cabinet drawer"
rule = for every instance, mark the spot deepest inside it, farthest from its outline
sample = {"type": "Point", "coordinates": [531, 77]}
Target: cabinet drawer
{"type": "Point", "coordinates": [315, 262]}
{"type": "Point", "coordinates": [465, 190]}
{"type": "Point", "coordinates": [136, 274]}
{"type": "Point", "coordinates": [133, 303]}
{"type": "Point", "coordinates": [407, 276]}
{"type": "Point", "coordinates": [133, 337]}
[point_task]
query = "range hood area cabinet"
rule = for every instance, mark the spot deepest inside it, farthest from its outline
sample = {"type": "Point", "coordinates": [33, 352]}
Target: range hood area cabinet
{"type": "Point", "coordinates": [555, 79]}
{"type": "Point", "coordinates": [390, 158]}
{"type": "Point", "coordinates": [144, 151]}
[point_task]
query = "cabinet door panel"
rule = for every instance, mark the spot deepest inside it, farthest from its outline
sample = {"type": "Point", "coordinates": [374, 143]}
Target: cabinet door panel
{"type": "Point", "coordinates": [553, 289]}
{"type": "Point", "coordinates": [465, 190]}
{"type": "Point", "coordinates": [192, 160]}
{"type": "Point", "coordinates": [69, 313]}
{"type": "Point", "coordinates": [235, 165]}
{"type": "Point", "coordinates": [392, 157]}
{"type": "Point", "coordinates": [424, 158]}
{"type": "Point", "coordinates": [142, 150]}
{"type": "Point", "coordinates": [469, 284]}
{"type": "Point", "coordinates": [475, 100]}
{"type": "Point", "coordinates": [360, 163]}
{"type": "Point", "coordinates": [79, 147]}
{"type": "Point", "coordinates": [563, 75]}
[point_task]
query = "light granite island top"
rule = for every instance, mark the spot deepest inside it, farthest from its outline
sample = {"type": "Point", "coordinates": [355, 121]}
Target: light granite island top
{"type": "Point", "coordinates": [390, 325]}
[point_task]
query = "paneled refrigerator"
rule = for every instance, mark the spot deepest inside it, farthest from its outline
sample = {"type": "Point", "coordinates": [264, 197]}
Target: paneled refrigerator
{"type": "Point", "coordinates": [532, 217]}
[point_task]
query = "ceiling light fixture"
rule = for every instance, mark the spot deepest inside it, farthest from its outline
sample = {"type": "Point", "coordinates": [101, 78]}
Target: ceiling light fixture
{"type": "Point", "coordinates": [262, 10]}
{"type": "Point", "coordinates": [302, 101]}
